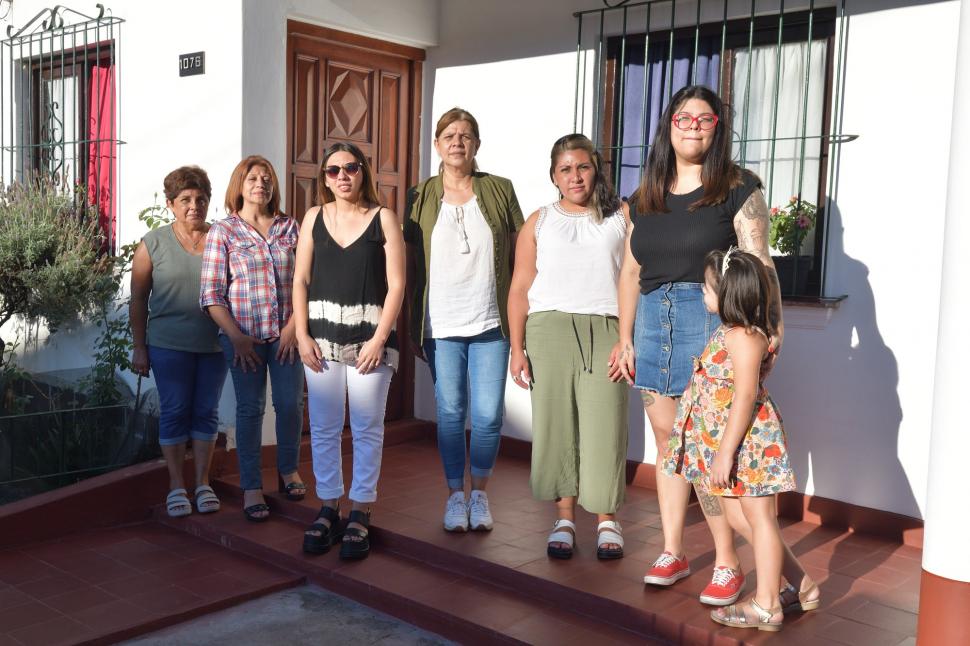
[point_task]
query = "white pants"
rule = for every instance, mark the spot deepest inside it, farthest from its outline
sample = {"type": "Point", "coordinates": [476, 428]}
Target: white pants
{"type": "Point", "coordinates": [367, 396]}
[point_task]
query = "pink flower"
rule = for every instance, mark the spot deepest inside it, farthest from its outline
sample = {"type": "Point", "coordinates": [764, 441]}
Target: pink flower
{"type": "Point", "coordinates": [804, 222]}
{"type": "Point", "coordinates": [774, 211]}
{"type": "Point", "coordinates": [794, 198]}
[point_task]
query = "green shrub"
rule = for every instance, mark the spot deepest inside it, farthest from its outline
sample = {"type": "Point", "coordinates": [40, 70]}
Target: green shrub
{"type": "Point", "coordinates": [51, 265]}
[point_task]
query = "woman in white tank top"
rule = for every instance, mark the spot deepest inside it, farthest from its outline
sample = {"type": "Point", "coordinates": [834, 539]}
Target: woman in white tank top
{"type": "Point", "coordinates": [563, 327]}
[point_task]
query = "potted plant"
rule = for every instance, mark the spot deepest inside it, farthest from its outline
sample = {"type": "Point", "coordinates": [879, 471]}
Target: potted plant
{"type": "Point", "coordinates": [787, 230]}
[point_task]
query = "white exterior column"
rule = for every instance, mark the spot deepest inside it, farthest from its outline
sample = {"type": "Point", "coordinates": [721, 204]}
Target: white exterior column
{"type": "Point", "coordinates": [945, 588]}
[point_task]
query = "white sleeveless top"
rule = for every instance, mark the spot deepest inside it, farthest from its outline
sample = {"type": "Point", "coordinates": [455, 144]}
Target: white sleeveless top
{"type": "Point", "coordinates": [462, 299]}
{"type": "Point", "coordinates": [577, 262]}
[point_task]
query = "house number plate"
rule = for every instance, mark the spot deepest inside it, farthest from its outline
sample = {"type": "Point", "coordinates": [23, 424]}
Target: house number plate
{"type": "Point", "coordinates": [192, 64]}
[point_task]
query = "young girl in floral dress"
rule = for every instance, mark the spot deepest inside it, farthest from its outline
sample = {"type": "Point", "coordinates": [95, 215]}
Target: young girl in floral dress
{"type": "Point", "coordinates": [729, 441]}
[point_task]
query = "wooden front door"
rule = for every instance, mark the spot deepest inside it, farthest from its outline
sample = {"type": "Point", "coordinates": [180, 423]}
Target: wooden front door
{"type": "Point", "coordinates": [342, 87]}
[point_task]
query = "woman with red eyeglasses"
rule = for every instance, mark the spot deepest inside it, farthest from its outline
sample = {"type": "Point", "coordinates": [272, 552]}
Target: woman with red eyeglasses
{"type": "Point", "coordinates": [347, 292]}
{"type": "Point", "coordinates": [693, 199]}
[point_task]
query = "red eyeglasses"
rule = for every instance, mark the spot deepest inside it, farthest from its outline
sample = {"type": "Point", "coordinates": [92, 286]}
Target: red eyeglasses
{"type": "Point", "coordinates": [685, 121]}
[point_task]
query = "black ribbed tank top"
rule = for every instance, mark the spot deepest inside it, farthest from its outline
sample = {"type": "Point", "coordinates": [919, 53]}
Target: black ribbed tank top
{"type": "Point", "coordinates": [346, 293]}
{"type": "Point", "coordinates": [670, 247]}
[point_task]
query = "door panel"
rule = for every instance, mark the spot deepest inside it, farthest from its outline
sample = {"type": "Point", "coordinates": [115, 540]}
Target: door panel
{"type": "Point", "coordinates": [347, 88]}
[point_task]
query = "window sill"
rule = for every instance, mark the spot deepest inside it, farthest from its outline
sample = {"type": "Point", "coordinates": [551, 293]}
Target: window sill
{"type": "Point", "coordinates": [822, 302]}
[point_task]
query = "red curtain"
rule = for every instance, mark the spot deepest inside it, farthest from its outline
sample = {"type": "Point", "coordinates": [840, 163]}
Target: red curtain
{"type": "Point", "coordinates": [102, 173]}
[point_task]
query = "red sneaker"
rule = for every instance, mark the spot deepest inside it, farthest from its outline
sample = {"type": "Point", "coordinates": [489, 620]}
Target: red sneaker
{"type": "Point", "coordinates": [667, 570]}
{"type": "Point", "coordinates": [725, 587]}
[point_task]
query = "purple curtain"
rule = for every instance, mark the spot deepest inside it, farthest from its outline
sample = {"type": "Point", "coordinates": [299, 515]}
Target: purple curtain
{"type": "Point", "coordinates": [636, 102]}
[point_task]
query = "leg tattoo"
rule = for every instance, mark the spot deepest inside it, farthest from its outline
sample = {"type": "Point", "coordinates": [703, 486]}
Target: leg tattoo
{"type": "Point", "coordinates": [647, 398]}
{"type": "Point", "coordinates": [711, 505]}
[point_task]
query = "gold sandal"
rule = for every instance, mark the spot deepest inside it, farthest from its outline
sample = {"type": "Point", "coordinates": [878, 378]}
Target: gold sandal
{"type": "Point", "coordinates": [737, 619]}
{"type": "Point", "coordinates": [798, 601]}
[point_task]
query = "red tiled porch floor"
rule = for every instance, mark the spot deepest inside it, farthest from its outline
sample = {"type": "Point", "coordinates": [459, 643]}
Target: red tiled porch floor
{"type": "Point", "coordinates": [870, 586]}
{"type": "Point", "coordinates": [110, 584]}
{"type": "Point", "coordinates": [475, 588]}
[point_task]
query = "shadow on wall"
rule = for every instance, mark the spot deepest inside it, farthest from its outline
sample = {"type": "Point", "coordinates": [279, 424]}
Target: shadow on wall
{"type": "Point", "coordinates": [849, 394]}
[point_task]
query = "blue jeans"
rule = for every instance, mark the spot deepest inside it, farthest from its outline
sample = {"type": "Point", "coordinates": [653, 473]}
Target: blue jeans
{"type": "Point", "coordinates": [189, 387]}
{"type": "Point", "coordinates": [250, 390]}
{"type": "Point", "coordinates": [482, 361]}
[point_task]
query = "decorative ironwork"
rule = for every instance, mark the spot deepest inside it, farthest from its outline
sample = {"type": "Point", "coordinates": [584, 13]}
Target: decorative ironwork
{"type": "Point", "coordinates": [59, 104]}
{"type": "Point", "coordinates": [617, 102]}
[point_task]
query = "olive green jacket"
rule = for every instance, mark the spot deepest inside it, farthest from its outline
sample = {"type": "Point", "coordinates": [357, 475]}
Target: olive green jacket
{"type": "Point", "coordinates": [497, 201]}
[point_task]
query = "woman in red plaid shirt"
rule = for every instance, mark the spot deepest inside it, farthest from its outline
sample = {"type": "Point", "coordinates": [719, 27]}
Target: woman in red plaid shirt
{"type": "Point", "coordinates": [247, 289]}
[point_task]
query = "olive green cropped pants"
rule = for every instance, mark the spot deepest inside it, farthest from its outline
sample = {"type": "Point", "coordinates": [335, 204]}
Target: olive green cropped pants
{"type": "Point", "coordinates": [579, 417]}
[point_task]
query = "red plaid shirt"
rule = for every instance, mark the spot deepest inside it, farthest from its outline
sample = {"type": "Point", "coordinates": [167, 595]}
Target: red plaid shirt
{"type": "Point", "coordinates": [250, 276]}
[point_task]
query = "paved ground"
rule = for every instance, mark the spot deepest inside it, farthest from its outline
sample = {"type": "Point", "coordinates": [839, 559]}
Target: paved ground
{"type": "Point", "coordinates": [305, 615]}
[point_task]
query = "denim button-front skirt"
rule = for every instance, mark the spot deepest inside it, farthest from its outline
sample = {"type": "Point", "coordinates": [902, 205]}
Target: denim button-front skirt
{"type": "Point", "coordinates": [672, 328]}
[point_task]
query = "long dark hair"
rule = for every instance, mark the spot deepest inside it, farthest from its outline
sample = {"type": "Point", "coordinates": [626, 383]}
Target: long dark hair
{"type": "Point", "coordinates": [603, 202]}
{"type": "Point", "coordinates": [743, 290]}
{"type": "Point", "coordinates": [718, 175]}
{"type": "Point", "coordinates": [367, 188]}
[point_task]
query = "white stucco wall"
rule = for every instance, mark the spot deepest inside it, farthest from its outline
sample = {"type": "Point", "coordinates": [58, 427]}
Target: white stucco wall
{"type": "Point", "coordinates": [855, 384]}
{"type": "Point", "coordinates": [166, 121]}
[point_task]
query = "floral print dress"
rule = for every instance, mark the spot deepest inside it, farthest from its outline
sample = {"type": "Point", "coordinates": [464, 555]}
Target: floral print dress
{"type": "Point", "coordinates": [761, 464]}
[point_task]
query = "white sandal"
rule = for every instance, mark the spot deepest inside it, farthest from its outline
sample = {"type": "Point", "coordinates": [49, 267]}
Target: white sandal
{"type": "Point", "coordinates": [206, 500]}
{"type": "Point", "coordinates": [177, 503]}
{"type": "Point", "coordinates": [564, 531]}
{"type": "Point", "coordinates": [609, 532]}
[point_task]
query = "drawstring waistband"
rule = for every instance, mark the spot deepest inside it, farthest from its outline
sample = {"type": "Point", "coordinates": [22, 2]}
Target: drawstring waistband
{"type": "Point", "coordinates": [586, 355]}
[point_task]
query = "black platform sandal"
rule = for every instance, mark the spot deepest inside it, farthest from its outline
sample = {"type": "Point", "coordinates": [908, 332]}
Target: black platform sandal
{"type": "Point", "coordinates": [291, 489]}
{"type": "Point", "coordinates": [356, 543]}
{"type": "Point", "coordinates": [321, 544]}
{"type": "Point", "coordinates": [251, 511]}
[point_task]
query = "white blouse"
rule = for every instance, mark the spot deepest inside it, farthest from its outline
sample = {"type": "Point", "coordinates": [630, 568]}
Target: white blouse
{"type": "Point", "coordinates": [461, 285]}
{"type": "Point", "coordinates": [577, 262]}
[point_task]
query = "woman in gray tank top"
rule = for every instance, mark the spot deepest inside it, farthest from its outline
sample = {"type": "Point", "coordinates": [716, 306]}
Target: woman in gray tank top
{"type": "Point", "coordinates": [175, 341]}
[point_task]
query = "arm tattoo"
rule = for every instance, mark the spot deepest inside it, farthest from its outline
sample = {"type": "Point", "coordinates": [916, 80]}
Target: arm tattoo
{"type": "Point", "coordinates": [751, 225]}
{"type": "Point", "coordinates": [710, 505]}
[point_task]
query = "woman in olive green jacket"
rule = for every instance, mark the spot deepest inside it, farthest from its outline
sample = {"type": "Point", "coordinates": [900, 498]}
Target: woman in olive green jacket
{"type": "Point", "coordinates": [462, 224]}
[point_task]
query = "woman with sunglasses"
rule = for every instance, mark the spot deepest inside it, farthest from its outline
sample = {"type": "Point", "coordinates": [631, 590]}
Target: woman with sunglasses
{"type": "Point", "coordinates": [247, 278]}
{"type": "Point", "coordinates": [463, 224]}
{"type": "Point", "coordinates": [347, 294]}
{"type": "Point", "coordinates": [693, 200]}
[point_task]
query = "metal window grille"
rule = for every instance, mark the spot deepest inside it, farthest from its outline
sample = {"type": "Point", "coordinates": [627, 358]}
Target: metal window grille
{"type": "Point", "coordinates": [778, 65]}
{"type": "Point", "coordinates": [59, 105]}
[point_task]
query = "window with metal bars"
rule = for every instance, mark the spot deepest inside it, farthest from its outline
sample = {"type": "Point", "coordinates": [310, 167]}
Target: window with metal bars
{"type": "Point", "coordinates": [58, 101]}
{"type": "Point", "coordinates": [776, 69]}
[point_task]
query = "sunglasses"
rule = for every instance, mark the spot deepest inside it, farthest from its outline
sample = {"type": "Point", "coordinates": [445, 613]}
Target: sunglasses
{"type": "Point", "coordinates": [351, 168]}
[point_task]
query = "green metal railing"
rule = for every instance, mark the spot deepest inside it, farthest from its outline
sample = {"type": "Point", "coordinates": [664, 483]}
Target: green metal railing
{"type": "Point", "coordinates": [604, 33]}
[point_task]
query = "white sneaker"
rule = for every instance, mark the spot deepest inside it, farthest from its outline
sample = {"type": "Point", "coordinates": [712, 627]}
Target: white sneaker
{"type": "Point", "coordinates": [456, 513]}
{"type": "Point", "coordinates": [480, 517]}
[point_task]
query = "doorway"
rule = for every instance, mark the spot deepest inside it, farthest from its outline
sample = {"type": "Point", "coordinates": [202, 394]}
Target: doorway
{"type": "Point", "coordinates": [342, 87]}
